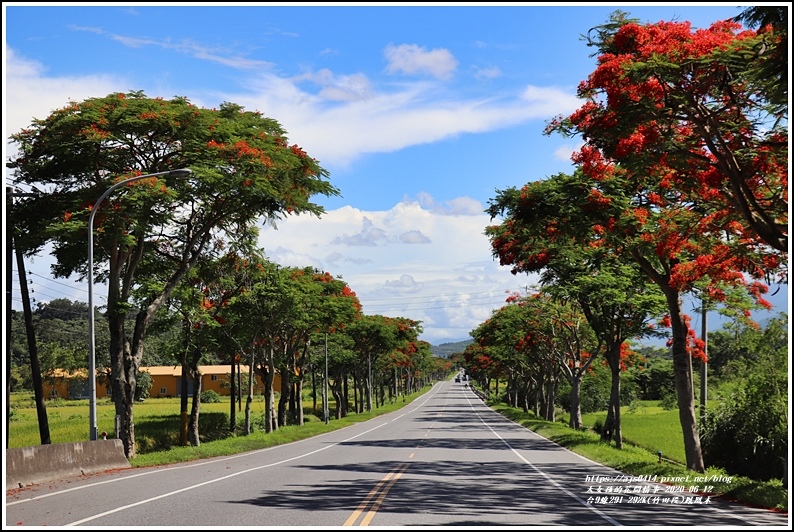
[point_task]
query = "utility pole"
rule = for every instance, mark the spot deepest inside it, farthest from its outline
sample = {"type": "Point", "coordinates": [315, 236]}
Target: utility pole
{"type": "Point", "coordinates": [325, 384]}
{"type": "Point", "coordinates": [35, 368]}
{"type": "Point", "coordinates": [703, 363]}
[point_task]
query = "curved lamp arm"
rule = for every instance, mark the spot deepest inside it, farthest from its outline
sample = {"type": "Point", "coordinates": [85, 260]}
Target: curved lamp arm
{"type": "Point", "coordinates": [180, 173]}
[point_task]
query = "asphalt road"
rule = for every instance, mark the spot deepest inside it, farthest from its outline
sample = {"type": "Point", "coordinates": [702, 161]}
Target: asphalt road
{"type": "Point", "coordinates": [444, 460]}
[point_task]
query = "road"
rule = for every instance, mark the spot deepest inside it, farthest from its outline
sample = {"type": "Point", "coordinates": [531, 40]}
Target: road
{"type": "Point", "coordinates": [444, 460]}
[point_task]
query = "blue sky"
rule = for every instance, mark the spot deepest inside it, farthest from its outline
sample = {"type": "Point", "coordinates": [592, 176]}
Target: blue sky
{"type": "Point", "coordinates": [419, 112]}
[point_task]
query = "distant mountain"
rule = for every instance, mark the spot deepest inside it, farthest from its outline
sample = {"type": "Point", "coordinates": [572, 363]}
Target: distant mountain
{"type": "Point", "coordinates": [449, 348]}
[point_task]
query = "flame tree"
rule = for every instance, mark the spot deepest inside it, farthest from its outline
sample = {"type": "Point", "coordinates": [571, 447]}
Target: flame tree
{"type": "Point", "coordinates": [244, 171]}
{"type": "Point", "coordinates": [683, 107]}
{"type": "Point", "coordinates": [682, 170]}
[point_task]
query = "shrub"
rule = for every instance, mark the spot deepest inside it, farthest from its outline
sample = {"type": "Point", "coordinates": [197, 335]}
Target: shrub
{"type": "Point", "coordinates": [747, 434]}
{"type": "Point", "coordinates": [593, 392]}
{"type": "Point", "coordinates": [143, 385]}
{"type": "Point", "coordinates": [210, 396]}
{"type": "Point", "coordinates": [669, 400]}
{"type": "Point", "coordinates": [654, 381]}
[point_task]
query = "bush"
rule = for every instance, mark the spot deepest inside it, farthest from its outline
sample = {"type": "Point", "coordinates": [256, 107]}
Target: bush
{"type": "Point", "coordinates": [210, 396]}
{"type": "Point", "coordinates": [593, 392]}
{"type": "Point", "coordinates": [655, 381]}
{"type": "Point", "coordinates": [143, 385]}
{"type": "Point", "coordinates": [747, 434]}
{"type": "Point", "coordinates": [669, 400]}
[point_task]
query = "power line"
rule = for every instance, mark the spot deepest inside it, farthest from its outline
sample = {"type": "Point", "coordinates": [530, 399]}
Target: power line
{"type": "Point", "coordinates": [487, 298]}
{"type": "Point", "coordinates": [444, 304]}
{"type": "Point", "coordinates": [47, 291]}
{"type": "Point", "coordinates": [428, 297]}
{"type": "Point", "coordinates": [62, 311]}
{"type": "Point", "coordinates": [51, 280]}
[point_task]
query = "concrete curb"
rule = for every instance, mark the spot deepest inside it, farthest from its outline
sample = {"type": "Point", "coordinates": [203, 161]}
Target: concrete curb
{"type": "Point", "coordinates": [33, 465]}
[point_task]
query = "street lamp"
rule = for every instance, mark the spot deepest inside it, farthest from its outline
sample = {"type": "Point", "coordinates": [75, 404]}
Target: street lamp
{"type": "Point", "coordinates": [180, 173]}
{"type": "Point", "coordinates": [325, 384]}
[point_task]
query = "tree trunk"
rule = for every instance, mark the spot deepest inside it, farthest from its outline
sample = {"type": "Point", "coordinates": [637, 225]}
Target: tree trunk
{"type": "Point", "coordinates": [345, 394]}
{"type": "Point", "coordinates": [549, 395]}
{"type": "Point", "coordinates": [356, 408]}
{"type": "Point", "coordinates": [271, 417]}
{"type": "Point", "coordinates": [314, 390]}
{"type": "Point", "coordinates": [184, 416]}
{"type": "Point", "coordinates": [124, 370]}
{"type": "Point", "coordinates": [682, 368]}
{"type": "Point", "coordinates": [232, 398]}
{"type": "Point", "coordinates": [396, 389]}
{"type": "Point", "coordinates": [368, 384]}
{"type": "Point", "coordinates": [240, 383]}
{"type": "Point", "coordinates": [299, 398]}
{"type": "Point", "coordinates": [193, 432]}
{"type": "Point", "coordinates": [576, 402]}
{"type": "Point", "coordinates": [249, 398]}
{"type": "Point", "coordinates": [124, 392]}
{"type": "Point", "coordinates": [611, 430]}
{"type": "Point", "coordinates": [286, 384]}
{"type": "Point", "coordinates": [292, 405]}
{"type": "Point", "coordinates": [336, 391]}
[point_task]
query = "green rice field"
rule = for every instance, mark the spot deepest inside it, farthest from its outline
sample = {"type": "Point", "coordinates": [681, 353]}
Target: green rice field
{"type": "Point", "coordinates": [649, 426]}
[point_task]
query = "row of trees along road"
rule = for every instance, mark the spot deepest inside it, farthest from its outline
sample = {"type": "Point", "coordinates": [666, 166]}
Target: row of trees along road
{"type": "Point", "coordinates": [681, 187]}
{"type": "Point", "coordinates": [537, 353]}
{"type": "Point", "coordinates": [186, 247]}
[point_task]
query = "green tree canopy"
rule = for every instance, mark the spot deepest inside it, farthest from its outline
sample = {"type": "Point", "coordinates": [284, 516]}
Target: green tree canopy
{"type": "Point", "coordinates": [151, 233]}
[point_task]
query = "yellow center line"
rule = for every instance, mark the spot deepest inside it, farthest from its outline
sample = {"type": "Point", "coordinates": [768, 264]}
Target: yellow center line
{"type": "Point", "coordinates": [374, 509]}
{"type": "Point", "coordinates": [365, 502]}
{"type": "Point", "coordinates": [380, 490]}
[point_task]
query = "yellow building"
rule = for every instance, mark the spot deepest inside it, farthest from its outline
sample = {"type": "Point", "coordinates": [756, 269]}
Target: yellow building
{"type": "Point", "coordinates": [166, 382]}
{"type": "Point", "coordinates": [71, 385]}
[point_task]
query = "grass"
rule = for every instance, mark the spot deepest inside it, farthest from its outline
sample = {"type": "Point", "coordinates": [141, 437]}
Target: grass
{"type": "Point", "coordinates": [654, 431]}
{"type": "Point", "coordinates": [646, 429]}
{"type": "Point", "coordinates": [258, 439]}
{"type": "Point", "coordinates": [155, 419]}
{"type": "Point", "coordinates": [157, 424]}
{"type": "Point", "coordinates": [648, 425]}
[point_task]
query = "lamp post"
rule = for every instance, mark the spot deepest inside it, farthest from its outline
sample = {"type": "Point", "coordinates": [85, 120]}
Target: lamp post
{"type": "Point", "coordinates": [182, 172]}
{"type": "Point", "coordinates": [325, 394]}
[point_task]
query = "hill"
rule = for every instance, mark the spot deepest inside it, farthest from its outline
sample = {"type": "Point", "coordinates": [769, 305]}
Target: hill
{"type": "Point", "coordinates": [449, 348]}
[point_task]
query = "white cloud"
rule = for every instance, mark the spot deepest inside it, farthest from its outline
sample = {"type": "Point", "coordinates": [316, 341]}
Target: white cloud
{"type": "Point", "coordinates": [414, 237]}
{"type": "Point", "coordinates": [339, 88]}
{"type": "Point", "coordinates": [414, 59]}
{"type": "Point", "coordinates": [348, 118]}
{"type": "Point", "coordinates": [369, 235]}
{"type": "Point", "coordinates": [450, 283]}
{"type": "Point", "coordinates": [343, 119]}
{"type": "Point", "coordinates": [420, 259]}
{"type": "Point", "coordinates": [551, 100]}
{"type": "Point", "coordinates": [564, 152]}
{"type": "Point", "coordinates": [198, 51]}
{"type": "Point", "coordinates": [29, 93]}
{"type": "Point", "coordinates": [460, 205]}
{"type": "Point", "coordinates": [405, 285]}
{"type": "Point", "coordinates": [486, 72]}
